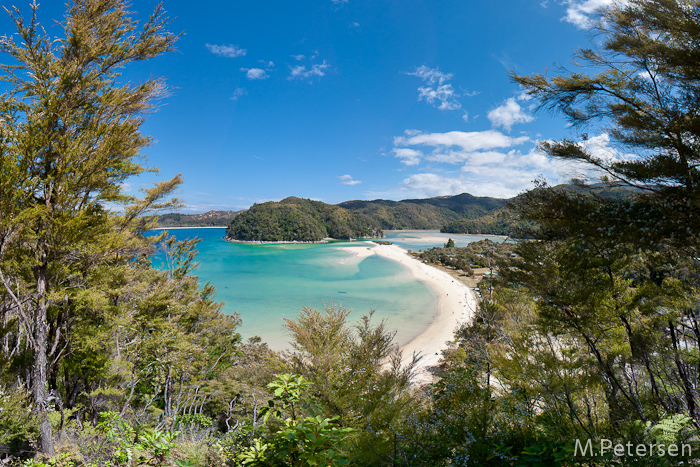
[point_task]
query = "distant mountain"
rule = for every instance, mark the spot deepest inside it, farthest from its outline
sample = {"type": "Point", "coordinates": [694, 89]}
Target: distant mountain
{"type": "Point", "coordinates": [208, 219]}
{"type": "Point", "coordinates": [300, 220]}
{"type": "Point", "coordinates": [430, 213]}
{"type": "Point", "coordinates": [305, 220]}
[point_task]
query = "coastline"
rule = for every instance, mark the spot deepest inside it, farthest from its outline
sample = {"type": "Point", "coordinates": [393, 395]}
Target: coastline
{"type": "Point", "coordinates": [455, 304]}
{"type": "Point", "coordinates": [179, 228]}
{"type": "Point", "coordinates": [283, 242]}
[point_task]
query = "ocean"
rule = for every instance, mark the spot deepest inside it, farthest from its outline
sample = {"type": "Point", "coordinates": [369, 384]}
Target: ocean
{"type": "Point", "coordinates": [266, 283]}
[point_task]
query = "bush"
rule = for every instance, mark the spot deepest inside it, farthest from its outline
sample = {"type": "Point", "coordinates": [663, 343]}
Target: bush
{"type": "Point", "coordinates": [19, 428]}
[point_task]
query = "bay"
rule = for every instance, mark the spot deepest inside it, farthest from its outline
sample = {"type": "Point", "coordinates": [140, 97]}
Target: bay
{"type": "Point", "coordinates": [265, 283]}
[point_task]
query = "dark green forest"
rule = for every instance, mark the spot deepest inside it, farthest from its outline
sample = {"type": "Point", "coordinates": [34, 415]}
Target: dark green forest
{"type": "Point", "coordinates": [297, 218]}
{"type": "Point", "coordinates": [300, 220]}
{"type": "Point", "coordinates": [590, 330]}
{"type": "Point", "coordinates": [207, 219]}
{"type": "Point", "coordinates": [425, 214]}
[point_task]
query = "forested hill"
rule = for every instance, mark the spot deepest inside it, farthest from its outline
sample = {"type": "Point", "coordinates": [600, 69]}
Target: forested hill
{"type": "Point", "coordinates": [301, 220]}
{"type": "Point", "coordinates": [207, 219]}
{"type": "Point", "coordinates": [430, 213]}
{"type": "Point", "coordinates": [295, 218]}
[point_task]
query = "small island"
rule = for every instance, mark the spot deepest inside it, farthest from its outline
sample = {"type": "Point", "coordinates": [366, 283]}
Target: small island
{"type": "Point", "coordinates": [300, 220]}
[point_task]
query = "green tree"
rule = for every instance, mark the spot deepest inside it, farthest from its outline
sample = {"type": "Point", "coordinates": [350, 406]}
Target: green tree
{"type": "Point", "coordinates": [69, 138]}
{"type": "Point", "coordinates": [301, 440]}
{"type": "Point", "coordinates": [617, 275]}
{"type": "Point", "coordinates": [357, 376]}
{"type": "Point", "coordinates": [644, 92]}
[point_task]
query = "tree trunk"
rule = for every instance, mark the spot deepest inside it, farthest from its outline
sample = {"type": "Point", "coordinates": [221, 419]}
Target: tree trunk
{"type": "Point", "coordinates": [39, 371]}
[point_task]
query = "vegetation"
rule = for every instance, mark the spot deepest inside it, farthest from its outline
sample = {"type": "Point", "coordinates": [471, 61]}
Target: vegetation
{"type": "Point", "coordinates": [481, 254]}
{"type": "Point", "coordinates": [589, 331]}
{"type": "Point", "coordinates": [207, 219]}
{"type": "Point", "coordinates": [500, 222]}
{"type": "Point", "coordinates": [300, 220]}
{"type": "Point", "coordinates": [431, 213]}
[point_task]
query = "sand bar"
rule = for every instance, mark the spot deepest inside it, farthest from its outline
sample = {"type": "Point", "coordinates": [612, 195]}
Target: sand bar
{"type": "Point", "coordinates": [360, 252]}
{"type": "Point", "coordinates": [455, 304]}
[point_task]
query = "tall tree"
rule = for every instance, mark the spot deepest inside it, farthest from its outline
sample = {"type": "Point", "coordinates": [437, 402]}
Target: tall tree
{"type": "Point", "coordinates": [609, 270]}
{"type": "Point", "coordinates": [645, 93]}
{"type": "Point", "coordinates": [69, 136]}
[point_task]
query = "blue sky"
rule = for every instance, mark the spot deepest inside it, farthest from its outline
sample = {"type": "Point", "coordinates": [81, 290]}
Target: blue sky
{"type": "Point", "coordinates": [355, 99]}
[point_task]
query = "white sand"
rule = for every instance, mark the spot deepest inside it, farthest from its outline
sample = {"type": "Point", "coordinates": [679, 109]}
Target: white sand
{"type": "Point", "coordinates": [455, 304]}
{"type": "Point", "coordinates": [359, 252]}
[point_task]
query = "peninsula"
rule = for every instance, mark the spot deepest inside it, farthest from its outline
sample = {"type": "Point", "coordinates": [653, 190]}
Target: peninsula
{"type": "Point", "coordinates": [300, 220]}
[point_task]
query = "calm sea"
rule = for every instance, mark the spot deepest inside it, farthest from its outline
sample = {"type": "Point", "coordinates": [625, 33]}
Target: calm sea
{"type": "Point", "coordinates": [266, 283]}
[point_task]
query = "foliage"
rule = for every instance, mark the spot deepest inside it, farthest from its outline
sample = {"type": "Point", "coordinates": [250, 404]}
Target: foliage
{"type": "Point", "coordinates": [500, 222]}
{"type": "Point", "coordinates": [589, 331]}
{"type": "Point", "coordinates": [207, 219]}
{"type": "Point", "coordinates": [300, 220]}
{"type": "Point", "coordinates": [70, 137]}
{"type": "Point", "coordinates": [18, 425]}
{"type": "Point", "coordinates": [430, 213]}
{"type": "Point", "coordinates": [302, 440]}
{"type": "Point", "coordinates": [614, 277]}
{"type": "Point", "coordinates": [62, 460]}
{"type": "Point", "coordinates": [158, 445]}
{"type": "Point", "coordinates": [644, 90]}
{"type": "Point", "coordinates": [358, 375]}
{"type": "Point", "coordinates": [484, 253]}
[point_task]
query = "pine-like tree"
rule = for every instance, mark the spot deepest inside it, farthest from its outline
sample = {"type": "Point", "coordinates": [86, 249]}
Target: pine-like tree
{"type": "Point", "coordinates": [69, 136]}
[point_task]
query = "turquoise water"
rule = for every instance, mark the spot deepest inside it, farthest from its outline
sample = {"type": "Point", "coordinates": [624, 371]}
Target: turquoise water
{"type": "Point", "coordinates": [266, 283]}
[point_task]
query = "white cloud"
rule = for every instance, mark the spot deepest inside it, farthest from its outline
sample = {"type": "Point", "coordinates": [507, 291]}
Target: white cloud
{"type": "Point", "coordinates": [580, 12]}
{"type": "Point", "coordinates": [238, 93]}
{"type": "Point", "coordinates": [268, 64]}
{"type": "Point", "coordinates": [599, 147]}
{"type": "Point", "coordinates": [429, 185]}
{"type": "Point", "coordinates": [440, 93]}
{"type": "Point", "coordinates": [465, 117]}
{"type": "Point", "coordinates": [355, 24]}
{"type": "Point", "coordinates": [255, 73]}
{"type": "Point", "coordinates": [230, 51]}
{"type": "Point", "coordinates": [485, 163]}
{"type": "Point", "coordinates": [490, 173]}
{"type": "Point", "coordinates": [301, 72]}
{"type": "Point", "coordinates": [298, 57]}
{"type": "Point", "coordinates": [524, 96]}
{"type": "Point", "coordinates": [431, 75]}
{"type": "Point", "coordinates": [468, 141]}
{"type": "Point", "coordinates": [408, 156]}
{"type": "Point", "coordinates": [348, 180]}
{"type": "Point", "coordinates": [508, 114]}
{"type": "Point", "coordinates": [442, 97]}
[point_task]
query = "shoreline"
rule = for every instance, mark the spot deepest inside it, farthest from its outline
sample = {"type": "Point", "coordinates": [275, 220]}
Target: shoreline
{"type": "Point", "coordinates": [448, 233]}
{"type": "Point", "coordinates": [287, 242]}
{"type": "Point", "coordinates": [455, 304]}
{"type": "Point", "coordinates": [178, 228]}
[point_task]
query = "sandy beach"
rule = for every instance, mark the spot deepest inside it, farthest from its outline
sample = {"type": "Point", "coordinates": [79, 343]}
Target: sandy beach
{"type": "Point", "coordinates": [455, 304]}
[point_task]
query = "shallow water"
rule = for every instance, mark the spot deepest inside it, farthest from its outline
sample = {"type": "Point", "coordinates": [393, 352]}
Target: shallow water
{"type": "Point", "coordinates": [266, 283]}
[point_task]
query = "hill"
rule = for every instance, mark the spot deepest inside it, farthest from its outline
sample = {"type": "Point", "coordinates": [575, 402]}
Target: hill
{"type": "Point", "coordinates": [429, 213]}
{"type": "Point", "coordinates": [300, 220]}
{"type": "Point", "coordinates": [207, 219]}
{"type": "Point", "coordinates": [296, 218]}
